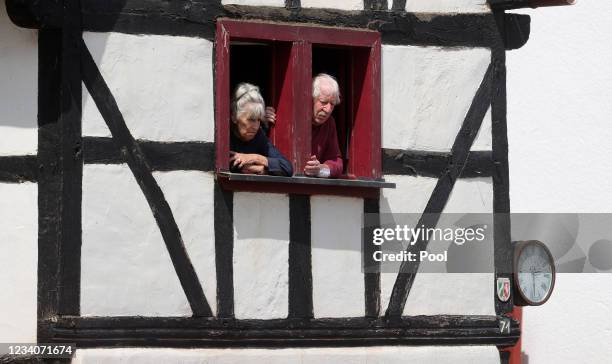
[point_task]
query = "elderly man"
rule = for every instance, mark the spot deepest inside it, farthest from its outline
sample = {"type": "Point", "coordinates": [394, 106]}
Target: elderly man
{"type": "Point", "coordinates": [326, 159]}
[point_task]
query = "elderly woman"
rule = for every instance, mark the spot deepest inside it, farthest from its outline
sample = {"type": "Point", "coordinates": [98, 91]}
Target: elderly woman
{"type": "Point", "coordinates": [250, 150]}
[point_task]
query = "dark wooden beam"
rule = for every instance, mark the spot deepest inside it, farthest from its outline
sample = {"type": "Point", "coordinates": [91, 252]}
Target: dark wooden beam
{"type": "Point", "coordinates": [401, 28]}
{"type": "Point", "coordinates": [300, 257]}
{"type": "Point", "coordinates": [19, 168]}
{"type": "Point", "coordinates": [224, 251]}
{"type": "Point", "coordinates": [371, 268]}
{"type": "Point", "coordinates": [518, 4]}
{"type": "Point", "coordinates": [358, 331]}
{"type": "Point", "coordinates": [197, 18]}
{"type": "Point", "coordinates": [72, 160]}
{"type": "Point", "coordinates": [375, 5]}
{"type": "Point", "coordinates": [49, 177]}
{"type": "Point", "coordinates": [162, 156]}
{"type": "Point", "coordinates": [503, 249]}
{"type": "Point", "coordinates": [434, 164]}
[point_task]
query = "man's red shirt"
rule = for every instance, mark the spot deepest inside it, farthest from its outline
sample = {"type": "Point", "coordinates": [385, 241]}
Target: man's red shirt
{"type": "Point", "coordinates": [325, 146]}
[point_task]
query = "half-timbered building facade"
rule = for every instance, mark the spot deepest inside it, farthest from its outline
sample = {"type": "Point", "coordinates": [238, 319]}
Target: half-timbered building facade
{"type": "Point", "coordinates": [114, 154]}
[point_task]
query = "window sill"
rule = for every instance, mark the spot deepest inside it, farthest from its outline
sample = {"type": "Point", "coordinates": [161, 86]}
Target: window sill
{"type": "Point", "coordinates": [302, 185]}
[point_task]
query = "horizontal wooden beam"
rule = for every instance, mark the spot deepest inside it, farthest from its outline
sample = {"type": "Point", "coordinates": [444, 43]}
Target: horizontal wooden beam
{"type": "Point", "coordinates": [180, 17]}
{"type": "Point", "coordinates": [434, 164]}
{"type": "Point", "coordinates": [197, 18]}
{"type": "Point", "coordinates": [517, 4]}
{"type": "Point", "coordinates": [161, 156]}
{"type": "Point", "coordinates": [17, 169]}
{"type": "Point", "coordinates": [400, 28]}
{"type": "Point", "coordinates": [214, 332]}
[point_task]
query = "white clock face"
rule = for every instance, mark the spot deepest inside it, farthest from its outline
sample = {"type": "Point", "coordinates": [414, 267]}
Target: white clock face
{"type": "Point", "coordinates": [535, 273]}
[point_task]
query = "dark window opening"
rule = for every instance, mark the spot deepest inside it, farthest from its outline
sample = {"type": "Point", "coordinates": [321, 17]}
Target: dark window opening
{"type": "Point", "coordinates": [348, 66]}
{"type": "Point", "coordinates": [251, 62]}
{"type": "Point", "coordinates": [266, 65]}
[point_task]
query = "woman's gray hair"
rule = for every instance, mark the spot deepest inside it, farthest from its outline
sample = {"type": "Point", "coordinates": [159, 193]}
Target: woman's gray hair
{"type": "Point", "coordinates": [244, 94]}
{"type": "Point", "coordinates": [331, 81]}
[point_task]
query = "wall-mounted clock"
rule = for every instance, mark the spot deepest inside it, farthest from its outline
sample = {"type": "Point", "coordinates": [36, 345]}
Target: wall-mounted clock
{"type": "Point", "coordinates": [534, 273]}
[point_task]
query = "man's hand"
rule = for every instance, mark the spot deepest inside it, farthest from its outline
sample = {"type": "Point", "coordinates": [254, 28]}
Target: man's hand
{"type": "Point", "coordinates": [314, 168]}
{"type": "Point", "coordinates": [240, 160]}
{"type": "Point", "coordinates": [253, 169]}
{"type": "Point", "coordinates": [270, 116]}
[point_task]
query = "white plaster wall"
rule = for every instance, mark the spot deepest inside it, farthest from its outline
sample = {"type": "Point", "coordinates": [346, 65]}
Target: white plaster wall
{"type": "Point", "coordinates": [18, 262]}
{"type": "Point", "coordinates": [484, 140]}
{"type": "Point", "coordinates": [163, 85]}
{"type": "Point", "coordinates": [126, 268]}
{"type": "Point", "coordinates": [261, 255]}
{"type": "Point", "coordinates": [254, 2]}
{"type": "Point", "coordinates": [457, 293]}
{"type": "Point", "coordinates": [18, 87]}
{"type": "Point", "coordinates": [446, 6]}
{"type": "Point", "coordinates": [191, 198]}
{"type": "Point", "coordinates": [357, 355]}
{"type": "Point", "coordinates": [435, 293]}
{"type": "Point", "coordinates": [559, 146]}
{"type": "Point", "coordinates": [410, 194]}
{"type": "Point", "coordinates": [343, 5]}
{"type": "Point", "coordinates": [471, 195]}
{"type": "Point", "coordinates": [425, 107]}
{"type": "Point", "coordinates": [337, 280]}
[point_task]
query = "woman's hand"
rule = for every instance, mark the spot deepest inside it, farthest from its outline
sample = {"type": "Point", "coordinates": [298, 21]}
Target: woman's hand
{"type": "Point", "coordinates": [253, 169]}
{"type": "Point", "coordinates": [240, 160]}
{"type": "Point", "coordinates": [270, 116]}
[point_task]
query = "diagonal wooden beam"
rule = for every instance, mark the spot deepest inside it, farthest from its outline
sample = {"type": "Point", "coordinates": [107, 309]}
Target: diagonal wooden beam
{"type": "Point", "coordinates": [429, 219]}
{"type": "Point", "coordinates": [137, 162]}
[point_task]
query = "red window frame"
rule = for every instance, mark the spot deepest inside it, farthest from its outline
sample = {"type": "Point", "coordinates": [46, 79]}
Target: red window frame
{"type": "Point", "coordinates": [294, 110]}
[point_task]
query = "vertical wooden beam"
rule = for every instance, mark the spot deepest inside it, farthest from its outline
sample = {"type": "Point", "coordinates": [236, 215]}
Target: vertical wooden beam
{"type": "Point", "coordinates": [72, 161]}
{"type": "Point", "coordinates": [224, 251]}
{"type": "Point", "coordinates": [398, 5]}
{"type": "Point", "coordinates": [293, 4]}
{"type": "Point", "coordinates": [300, 257]}
{"type": "Point", "coordinates": [375, 5]}
{"type": "Point", "coordinates": [501, 177]}
{"type": "Point", "coordinates": [371, 279]}
{"type": "Point", "coordinates": [49, 178]}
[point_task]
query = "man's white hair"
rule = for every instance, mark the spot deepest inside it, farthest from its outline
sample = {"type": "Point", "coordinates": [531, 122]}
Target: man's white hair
{"type": "Point", "coordinates": [329, 80]}
{"type": "Point", "coordinates": [244, 94]}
